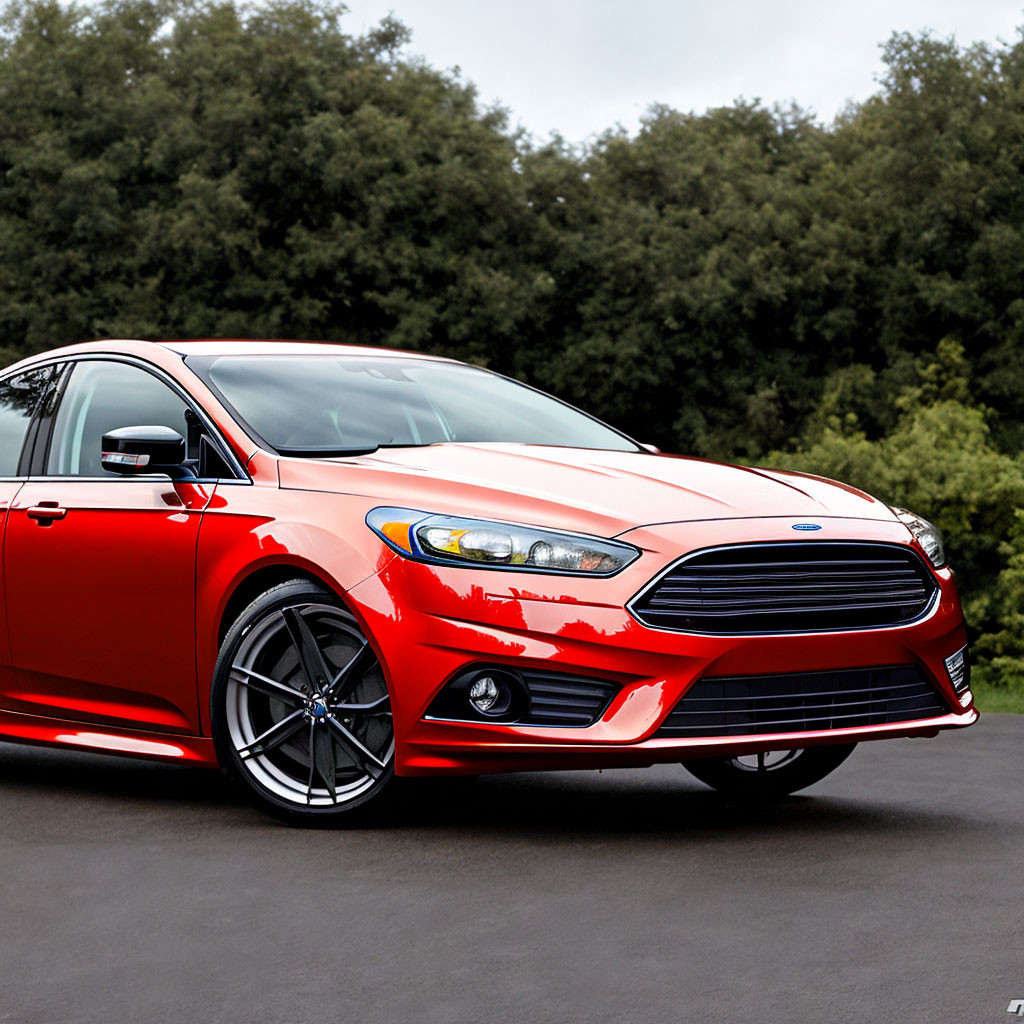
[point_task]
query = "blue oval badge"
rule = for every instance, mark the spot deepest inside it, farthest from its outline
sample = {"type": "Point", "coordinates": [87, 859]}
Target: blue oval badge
{"type": "Point", "coordinates": [806, 526]}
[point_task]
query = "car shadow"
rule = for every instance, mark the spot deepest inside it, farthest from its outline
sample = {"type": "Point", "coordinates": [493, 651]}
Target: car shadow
{"type": "Point", "coordinates": [553, 806]}
{"type": "Point", "coordinates": [579, 806]}
{"type": "Point", "coordinates": [48, 770]}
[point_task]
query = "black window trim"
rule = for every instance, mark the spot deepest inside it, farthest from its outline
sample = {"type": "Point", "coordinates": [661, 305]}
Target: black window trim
{"type": "Point", "coordinates": [43, 434]}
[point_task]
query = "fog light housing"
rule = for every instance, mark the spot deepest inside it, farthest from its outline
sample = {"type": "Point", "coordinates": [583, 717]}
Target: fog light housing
{"type": "Point", "coordinates": [502, 695]}
{"type": "Point", "coordinates": [958, 668]}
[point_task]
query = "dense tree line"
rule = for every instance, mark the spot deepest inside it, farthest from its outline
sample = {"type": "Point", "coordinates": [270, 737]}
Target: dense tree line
{"type": "Point", "coordinates": [744, 283]}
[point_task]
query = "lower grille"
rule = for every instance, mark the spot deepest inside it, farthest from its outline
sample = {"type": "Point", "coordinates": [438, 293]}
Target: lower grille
{"type": "Point", "coordinates": [804, 702]}
{"type": "Point", "coordinates": [565, 700]}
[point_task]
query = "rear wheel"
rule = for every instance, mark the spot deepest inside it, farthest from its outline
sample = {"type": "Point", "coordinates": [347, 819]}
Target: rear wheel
{"type": "Point", "coordinates": [771, 774]}
{"type": "Point", "coordinates": [301, 710]}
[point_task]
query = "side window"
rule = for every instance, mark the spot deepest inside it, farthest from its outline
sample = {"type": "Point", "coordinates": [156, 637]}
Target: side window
{"type": "Point", "coordinates": [100, 397]}
{"type": "Point", "coordinates": [19, 397]}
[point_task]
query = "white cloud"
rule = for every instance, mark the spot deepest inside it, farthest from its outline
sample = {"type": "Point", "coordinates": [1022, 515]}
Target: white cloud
{"type": "Point", "coordinates": [580, 66]}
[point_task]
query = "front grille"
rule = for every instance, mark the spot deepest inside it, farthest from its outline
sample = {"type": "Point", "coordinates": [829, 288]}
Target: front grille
{"type": "Point", "coordinates": [803, 702]}
{"type": "Point", "coordinates": [789, 587]}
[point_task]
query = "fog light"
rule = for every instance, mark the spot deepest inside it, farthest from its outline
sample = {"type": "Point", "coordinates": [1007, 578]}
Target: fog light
{"type": "Point", "coordinates": [958, 668]}
{"type": "Point", "coordinates": [484, 694]}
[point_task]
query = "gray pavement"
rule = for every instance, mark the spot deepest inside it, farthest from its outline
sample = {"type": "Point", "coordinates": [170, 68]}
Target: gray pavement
{"type": "Point", "coordinates": [892, 891]}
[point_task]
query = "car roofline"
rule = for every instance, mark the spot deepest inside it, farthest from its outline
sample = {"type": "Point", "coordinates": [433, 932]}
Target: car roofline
{"type": "Point", "coordinates": [285, 346]}
{"type": "Point", "coordinates": [218, 347]}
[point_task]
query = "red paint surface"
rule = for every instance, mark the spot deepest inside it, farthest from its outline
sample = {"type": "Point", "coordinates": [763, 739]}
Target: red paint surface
{"type": "Point", "coordinates": [113, 613]}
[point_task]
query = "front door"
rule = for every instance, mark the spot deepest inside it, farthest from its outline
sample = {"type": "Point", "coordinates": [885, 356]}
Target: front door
{"type": "Point", "coordinates": [101, 568]}
{"type": "Point", "coordinates": [20, 396]}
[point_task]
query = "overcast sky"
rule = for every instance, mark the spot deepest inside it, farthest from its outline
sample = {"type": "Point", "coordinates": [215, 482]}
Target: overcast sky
{"type": "Point", "coordinates": [580, 66]}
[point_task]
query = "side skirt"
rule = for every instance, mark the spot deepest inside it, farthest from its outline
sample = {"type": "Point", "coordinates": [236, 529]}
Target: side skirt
{"type": "Point", "coordinates": [101, 739]}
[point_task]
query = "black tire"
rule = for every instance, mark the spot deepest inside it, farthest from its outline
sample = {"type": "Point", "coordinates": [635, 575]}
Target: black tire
{"type": "Point", "coordinates": [769, 776]}
{"type": "Point", "coordinates": [301, 711]}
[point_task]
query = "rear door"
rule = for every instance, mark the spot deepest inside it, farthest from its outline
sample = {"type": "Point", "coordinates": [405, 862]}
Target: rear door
{"type": "Point", "coordinates": [20, 397]}
{"type": "Point", "coordinates": [103, 566]}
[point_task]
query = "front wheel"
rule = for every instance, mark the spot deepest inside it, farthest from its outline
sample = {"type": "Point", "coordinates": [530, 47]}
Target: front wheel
{"type": "Point", "coordinates": [771, 774]}
{"type": "Point", "coordinates": [300, 707]}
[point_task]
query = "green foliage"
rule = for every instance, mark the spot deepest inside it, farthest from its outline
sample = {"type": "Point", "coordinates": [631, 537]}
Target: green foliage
{"type": "Point", "coordinates": [744, 283]}
{"type": "Point", "coordinates": [683, 259]}
{"type": "Point", "coordinates": [1002, 649]}
{"type": "Point", "coordinates": [180, 169]}
{"type": "Point", "coordinates": [996, 699]}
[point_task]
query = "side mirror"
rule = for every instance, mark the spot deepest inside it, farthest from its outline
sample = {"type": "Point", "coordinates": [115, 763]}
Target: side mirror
{"type": "Point", "coordinates": [652, 448]}
{"type": "Point", "coordinates": [130, 450]}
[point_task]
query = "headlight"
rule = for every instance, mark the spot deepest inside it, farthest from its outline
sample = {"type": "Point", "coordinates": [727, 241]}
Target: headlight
{"type": "Point", "coordinates": [926, 534]}
{"type": "Point", "coordinates": [454, 540]}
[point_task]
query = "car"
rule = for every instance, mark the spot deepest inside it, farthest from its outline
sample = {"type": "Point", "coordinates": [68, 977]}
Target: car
{"type": "Point", "coordinates": [327, 568]}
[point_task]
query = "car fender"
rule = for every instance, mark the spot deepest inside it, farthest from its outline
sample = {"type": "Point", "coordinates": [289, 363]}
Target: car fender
{"type": "Point", "coordinates": [249, 530]}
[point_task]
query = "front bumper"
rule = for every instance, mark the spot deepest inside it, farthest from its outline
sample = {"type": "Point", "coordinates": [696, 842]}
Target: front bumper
{"type": "Point", "coordinates": [429, 623]}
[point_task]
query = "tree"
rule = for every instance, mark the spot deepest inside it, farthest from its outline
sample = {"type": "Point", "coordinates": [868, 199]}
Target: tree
{"type": "Point", "coordinates": [173, 169]}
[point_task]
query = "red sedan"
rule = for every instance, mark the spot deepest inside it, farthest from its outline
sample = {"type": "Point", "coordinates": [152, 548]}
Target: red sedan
{"type": "Point", "coordinates": [322, 567]}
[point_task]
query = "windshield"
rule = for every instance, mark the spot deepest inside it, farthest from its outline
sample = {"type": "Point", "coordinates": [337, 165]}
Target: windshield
{"type": "Point", "coordinates": [323, 404]}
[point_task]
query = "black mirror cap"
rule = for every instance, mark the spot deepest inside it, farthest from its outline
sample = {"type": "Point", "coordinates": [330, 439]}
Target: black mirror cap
{"type": "Point", "coordinates": [145, 449]}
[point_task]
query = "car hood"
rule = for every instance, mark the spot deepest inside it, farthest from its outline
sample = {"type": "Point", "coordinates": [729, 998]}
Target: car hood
{"type": "Point", "coordinates": [600, 492]}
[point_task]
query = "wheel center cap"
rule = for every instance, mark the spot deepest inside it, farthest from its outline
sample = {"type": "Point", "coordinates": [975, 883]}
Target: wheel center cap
{"type": "Point", "coordinates": [319, 708]}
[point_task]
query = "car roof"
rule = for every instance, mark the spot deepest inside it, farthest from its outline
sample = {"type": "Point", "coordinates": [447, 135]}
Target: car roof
{"type": "Point", "coordinates": [241, 346]}
{"type": "Point", "coordinates": [224, 347]}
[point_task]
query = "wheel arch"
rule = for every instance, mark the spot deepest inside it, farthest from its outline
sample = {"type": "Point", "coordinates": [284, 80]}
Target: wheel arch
{"type": "Point", "coordinates": [262, 537]}
{"type": "Point", "coordinates": [258, 581]}
{"type": "Point", "coordinates": [253, 580]}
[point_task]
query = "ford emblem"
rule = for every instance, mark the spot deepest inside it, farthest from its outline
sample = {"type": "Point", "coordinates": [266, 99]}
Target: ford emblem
{"type": "Point", "coordinates": [806, 526]}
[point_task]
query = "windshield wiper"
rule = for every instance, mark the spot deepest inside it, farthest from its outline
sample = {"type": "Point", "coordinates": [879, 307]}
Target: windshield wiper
{"type": "Point", "coordinates": [335, 451]}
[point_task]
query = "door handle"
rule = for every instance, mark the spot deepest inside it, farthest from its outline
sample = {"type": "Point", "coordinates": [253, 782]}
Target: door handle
{"type": "Point", "coordinates": [46, 512]}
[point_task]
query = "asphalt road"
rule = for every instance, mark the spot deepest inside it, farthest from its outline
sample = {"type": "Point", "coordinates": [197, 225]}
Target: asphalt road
{"type": "Point", "coordinates": [891, 892]}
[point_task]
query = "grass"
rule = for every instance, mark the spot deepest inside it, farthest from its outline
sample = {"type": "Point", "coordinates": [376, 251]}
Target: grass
{"type": "Point", "coordinates": [998, 698]}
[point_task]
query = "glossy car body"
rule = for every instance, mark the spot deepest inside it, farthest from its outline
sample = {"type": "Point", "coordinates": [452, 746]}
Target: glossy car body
{"type": "Point", "coordinates": [146, 574]}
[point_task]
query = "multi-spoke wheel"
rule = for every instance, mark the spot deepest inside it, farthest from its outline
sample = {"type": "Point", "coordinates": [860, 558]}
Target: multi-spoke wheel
{"type": "Point", "coordinates": [301, 710]}
{"type": "Point", "coordinates": [770, 774]}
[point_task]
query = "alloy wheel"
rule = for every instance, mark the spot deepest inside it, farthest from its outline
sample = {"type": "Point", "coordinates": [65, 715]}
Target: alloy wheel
{"type": "Point", "coordinates": [765, 761]}
{"type": "Point", "coordinates": [307, 709]}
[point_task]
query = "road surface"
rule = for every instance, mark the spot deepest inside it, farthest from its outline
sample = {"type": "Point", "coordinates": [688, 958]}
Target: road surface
{"type": "Point", "coordinates": [892, 891]}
